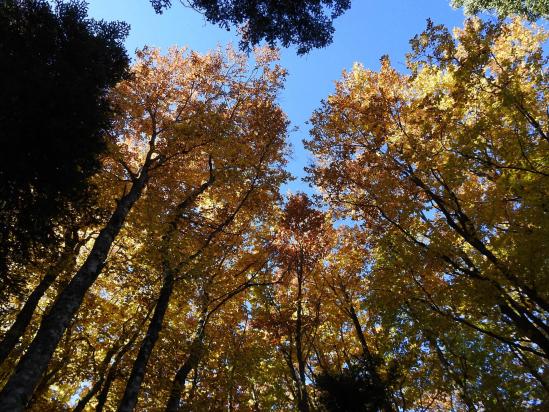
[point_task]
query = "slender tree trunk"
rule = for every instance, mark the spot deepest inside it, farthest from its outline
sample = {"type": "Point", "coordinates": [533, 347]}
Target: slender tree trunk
{"type": "Point", "coordinates": [461, 382]}
{"type": "Point", "coordinates": [378, 382]}
{"type": "Point", "coordinates": [192, 391]}
{"type": "Point", "coordinates": [18, 328]}
{"type": "Point", "coordinates": [129, 400]}
{"type": "Point", "coordinates": [104, 383]}
{"type": "Point", "coordinates": [99, 382]}
{"type": "Point", "coordinates": [179, 381]}
{"type": "Point", "coordinates": [20, 386]}
{"type": "Point", "coordinates": [256, 405]}
{"type": "Point", "coordinates": [195, 355]}
{"type": "Point", "coordinates": [89, 395]}
{"type": "Point", "coordinates": [360, 334]}
{"type": "Point", "coordinates": [102, 397]}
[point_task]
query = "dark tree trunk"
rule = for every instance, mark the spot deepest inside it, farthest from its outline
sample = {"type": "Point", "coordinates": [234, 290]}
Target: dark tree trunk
{"type": "Point", "coordinates": [20, 386]}
{"type": "Point", "coordinates": [88, 396]}
{"type": "Point", "coordinates": [102, 397]}
{"type": "Point", "coordinates": [99, 382]}
{"type": "Point", "coordinates": [178, 383]}
{"type": "Point", "coordinates": [105, 378]}
{"type": "Point", "coordinates": [372, 366]}
{"type": "Point", "coordinates": [11, 339]}
{"type": "Point", "coordinates": [460, 380]}
{"type": "Point", "coordinates": [129, 400]}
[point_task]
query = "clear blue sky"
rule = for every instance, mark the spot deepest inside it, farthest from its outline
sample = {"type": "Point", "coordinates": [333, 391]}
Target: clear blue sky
{"type": "Point", "coordinates": [370, 29]}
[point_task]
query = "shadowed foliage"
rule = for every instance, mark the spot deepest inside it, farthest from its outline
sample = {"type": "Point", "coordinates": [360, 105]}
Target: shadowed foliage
{"type": "Point", "coordinates": [306, 24]}
{"type": "Point", "coordinates": [352, 389]}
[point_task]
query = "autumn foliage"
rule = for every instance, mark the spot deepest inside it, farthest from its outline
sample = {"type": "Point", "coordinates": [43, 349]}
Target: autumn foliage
{"type": "Point", "coordinates": [416, 278]}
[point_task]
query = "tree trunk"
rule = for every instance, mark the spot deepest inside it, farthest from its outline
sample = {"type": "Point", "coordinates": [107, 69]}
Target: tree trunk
{"type": "Point", "coordinates": [378, 382]}
{"type": "Point", "coordinates": [461, 381]}
{"type": "Point", "coordinates": [88, 396]}
{"type": "Point", "coordinates": [102, 397]}
{"type": "Point", "coordinates": [51, 374]}
{"type": "Point", "coordinates": [178, 383]}
{"type": "Point", "coordinates": [105, 378]}
{"type": "Point", "coordinates": [12, 336]}
{"type": "Point", "coordinates": [20, 386]}
{"type": "Point", "coordinates": [99, 382]}
{"type": "Point", "coordinates": [11, 339]}
{"type": "Point", "coordinates": [129, 400]}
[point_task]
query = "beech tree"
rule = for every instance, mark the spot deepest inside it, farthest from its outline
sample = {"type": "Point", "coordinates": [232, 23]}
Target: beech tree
{"type": "Point", "coordinates": [173, 110]}
{"type": "Point", "coordinates": [293, 309]}
{"type": "Point", "coordinates": [414, 279]}
{"type": "Point", "coordinates": [446, 170]}
{"type": "Point", "coordinates": [365, 380]}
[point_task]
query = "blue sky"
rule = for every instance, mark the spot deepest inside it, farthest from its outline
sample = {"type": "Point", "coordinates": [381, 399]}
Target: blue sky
{"type": "Point", "coordinates": [367, 31]}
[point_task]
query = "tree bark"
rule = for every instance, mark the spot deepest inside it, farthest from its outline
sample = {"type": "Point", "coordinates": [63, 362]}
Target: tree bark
{"type": "Point", "coordinates": [89, 395]}
{"type": "Point", "coordinates": [105, 378]}
{"type": "Point", "coordinates": [129, 400]}
{"type": "Point", "coordinates": [20, 386]}
{"type": "Point", "coordinates": [195, 354]}
{"type": "Point", "coordinates": [99, 382]}
{"type": "Point", "coordinates": [102, 397]}
{"type": "Point", "coordinates": [11, 339]}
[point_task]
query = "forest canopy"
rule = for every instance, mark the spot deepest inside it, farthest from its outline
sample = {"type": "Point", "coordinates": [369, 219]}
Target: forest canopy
{"type": "Point", "coordinates": [169, 271]}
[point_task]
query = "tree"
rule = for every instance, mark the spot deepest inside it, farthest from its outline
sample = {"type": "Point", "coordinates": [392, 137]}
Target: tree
{"type": "Point", "coordinates": [175, 109]}
{"type": "Point", "coordinates": [187, 282]}
{"type": "Point", "coordinates": [56, 69]}
{"type": "Point", "coordinates": [254, 176]}
{"type": "Point", "coordinates": [307, 23]}
{"type": "Point", "coordinates": [63, 264]}
{"type": "Point", "coordinates": [292, 309]}
{"type": "Point", "coordinates": [366, 379]}
{"type": "Point", "coordinates": [446, 169]}
{"type": "Point", "coordinates": [532, 9]}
